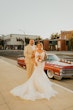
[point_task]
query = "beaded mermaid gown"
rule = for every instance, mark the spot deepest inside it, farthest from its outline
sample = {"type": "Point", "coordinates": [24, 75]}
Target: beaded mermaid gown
{"type": "Point", "coordinates": [38, 86]}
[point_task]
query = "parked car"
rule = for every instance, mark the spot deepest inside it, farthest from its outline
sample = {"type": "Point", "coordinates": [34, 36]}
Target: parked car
{"type": "Point", "coordinates": [54, 67]}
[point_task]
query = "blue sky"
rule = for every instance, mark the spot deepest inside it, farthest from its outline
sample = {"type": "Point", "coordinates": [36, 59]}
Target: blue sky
{"type": "Point", "coordinates": [38, 17]}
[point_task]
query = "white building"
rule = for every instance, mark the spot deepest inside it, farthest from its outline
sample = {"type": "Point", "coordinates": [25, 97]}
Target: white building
{"type": "Point", "coordinates": [17, 41]}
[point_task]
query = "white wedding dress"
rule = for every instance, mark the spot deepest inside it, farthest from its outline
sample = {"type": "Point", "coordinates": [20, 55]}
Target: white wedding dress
{"type": "Point", "coordinates": [38, 85]}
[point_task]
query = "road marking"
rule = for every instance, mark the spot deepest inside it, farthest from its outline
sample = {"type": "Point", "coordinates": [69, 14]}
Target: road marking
{"type": "Point", "coordinates": [63, 87]}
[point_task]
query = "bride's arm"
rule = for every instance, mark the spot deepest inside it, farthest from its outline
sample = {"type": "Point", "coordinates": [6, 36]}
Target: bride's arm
{"type": "Point", "coordinates": [34, 60]}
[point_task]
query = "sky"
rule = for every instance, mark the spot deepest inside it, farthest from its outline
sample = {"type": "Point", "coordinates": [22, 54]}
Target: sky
{"type": "Point", "coordinates": [35, 17]}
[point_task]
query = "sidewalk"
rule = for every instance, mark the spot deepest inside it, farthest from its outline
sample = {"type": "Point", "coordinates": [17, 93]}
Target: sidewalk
{"type": "Point", "coordinates": [11, 76]}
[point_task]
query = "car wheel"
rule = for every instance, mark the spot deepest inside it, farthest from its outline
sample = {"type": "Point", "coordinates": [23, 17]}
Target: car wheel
{"type": "Point", "coordinates": [50, 74]}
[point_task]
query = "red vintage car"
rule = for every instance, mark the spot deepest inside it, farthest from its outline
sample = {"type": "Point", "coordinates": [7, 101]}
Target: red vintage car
{"type": "Point", "coordinates": [54, 67]}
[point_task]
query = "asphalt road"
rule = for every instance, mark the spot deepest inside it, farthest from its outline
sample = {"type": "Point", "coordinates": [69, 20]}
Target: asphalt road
{"type": "Point", "coordinates": [68, 83]}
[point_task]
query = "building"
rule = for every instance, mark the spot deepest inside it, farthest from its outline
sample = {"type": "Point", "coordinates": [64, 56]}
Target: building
{"type": "Point", "coordinates": [56, 44]}
{"type": "Point", "coordinates": [61, 43]}
{"type": "Point", "coordinates": [16, 41]}
{"type": "Point", "coordinates": [66, 34]}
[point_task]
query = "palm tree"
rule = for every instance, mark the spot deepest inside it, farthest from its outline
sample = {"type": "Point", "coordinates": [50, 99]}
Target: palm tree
{"type": "Point", "coordinates": [26, 40]}
{"type": "Point", "coordinates": [55, 36]}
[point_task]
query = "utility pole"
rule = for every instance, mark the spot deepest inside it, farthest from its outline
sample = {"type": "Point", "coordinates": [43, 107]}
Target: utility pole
{"type": "Point", "coordinates": [24, 35]}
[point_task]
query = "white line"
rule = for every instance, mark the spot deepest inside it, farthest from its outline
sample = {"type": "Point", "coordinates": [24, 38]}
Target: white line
{"type": "Point", "coordinates": [63, 87]}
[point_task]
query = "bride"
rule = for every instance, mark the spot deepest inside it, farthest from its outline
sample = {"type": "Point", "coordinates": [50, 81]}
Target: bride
{"type": "Point", "coordinates": [38, 85]}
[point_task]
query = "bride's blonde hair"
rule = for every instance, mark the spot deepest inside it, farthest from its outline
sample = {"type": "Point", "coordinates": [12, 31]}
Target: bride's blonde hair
{"type": "Point", "coordinates": [41, 44]}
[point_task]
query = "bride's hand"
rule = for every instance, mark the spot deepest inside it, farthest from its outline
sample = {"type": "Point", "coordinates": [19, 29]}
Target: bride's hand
{"type": "Point", "coordinates": [39, 58]}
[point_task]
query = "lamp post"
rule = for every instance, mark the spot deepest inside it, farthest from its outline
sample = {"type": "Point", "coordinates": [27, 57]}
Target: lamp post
{"type": "Point", "coordinates": [24, 35]}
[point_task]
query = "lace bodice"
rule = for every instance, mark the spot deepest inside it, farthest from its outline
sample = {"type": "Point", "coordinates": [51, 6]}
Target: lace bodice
{"type": "Point", "coordinates": [42, 55]}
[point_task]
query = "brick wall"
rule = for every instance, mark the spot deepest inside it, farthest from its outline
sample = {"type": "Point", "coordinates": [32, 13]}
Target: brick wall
{"type": "Point", "coordinates": [46, 45]}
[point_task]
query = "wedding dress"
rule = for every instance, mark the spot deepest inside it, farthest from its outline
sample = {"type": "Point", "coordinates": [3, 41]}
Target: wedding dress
{"type": "Point", "coordinates": [38, 85]}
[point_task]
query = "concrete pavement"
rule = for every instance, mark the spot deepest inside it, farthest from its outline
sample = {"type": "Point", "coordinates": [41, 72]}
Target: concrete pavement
{"type": "Point", "coordinates": [12, 76]}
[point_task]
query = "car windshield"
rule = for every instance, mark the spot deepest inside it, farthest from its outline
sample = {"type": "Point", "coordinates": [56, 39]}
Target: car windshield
{"type": "Point", "coordinates": [52, 58]}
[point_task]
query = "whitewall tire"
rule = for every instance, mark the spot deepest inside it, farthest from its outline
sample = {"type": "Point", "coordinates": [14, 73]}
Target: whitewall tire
{"type": "Point", "coordinates": [50, 74]}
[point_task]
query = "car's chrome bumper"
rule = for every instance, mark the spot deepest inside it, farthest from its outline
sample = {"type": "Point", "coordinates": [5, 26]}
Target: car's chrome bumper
{"type": "Point", "coordinates": [67, 75]}
{"type": "Point", "coordinates": [63, 76]}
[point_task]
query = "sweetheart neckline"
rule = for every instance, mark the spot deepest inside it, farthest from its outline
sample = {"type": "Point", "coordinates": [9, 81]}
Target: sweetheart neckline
{"type": "Point", "coordinates": [40, 53]}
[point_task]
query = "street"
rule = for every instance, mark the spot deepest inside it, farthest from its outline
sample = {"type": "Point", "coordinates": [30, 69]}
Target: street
{"type": "Point", "coordinates": [67, 83]}
{"type": "Point", "coordinates": [12, 75]}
